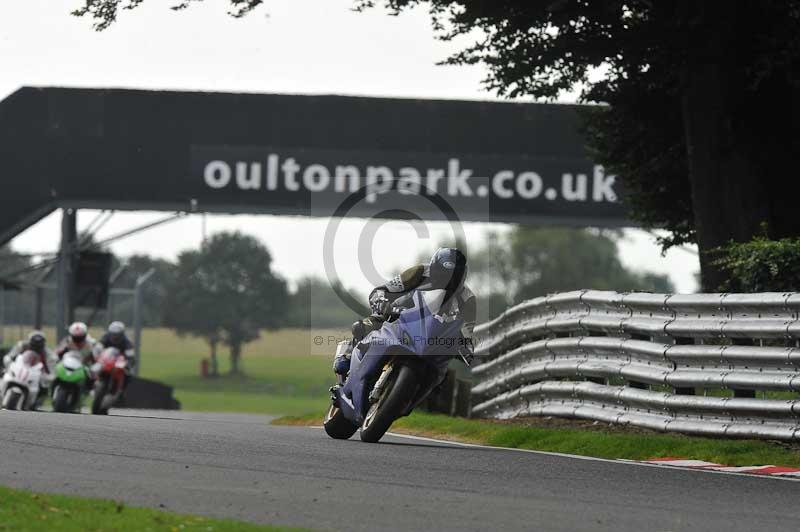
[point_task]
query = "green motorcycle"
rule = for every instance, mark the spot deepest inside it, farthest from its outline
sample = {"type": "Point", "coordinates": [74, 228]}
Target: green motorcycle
{"type": "Point", "coordinates": [69, 385]}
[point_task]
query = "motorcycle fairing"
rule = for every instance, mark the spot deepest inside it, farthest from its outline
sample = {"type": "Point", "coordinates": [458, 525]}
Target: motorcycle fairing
{"type": "Point", "coordinates": [25, 374]}
{"type": "Point", "coordinates": [71, 369]}
{"type": "Point", "coordinates": [418, 331]}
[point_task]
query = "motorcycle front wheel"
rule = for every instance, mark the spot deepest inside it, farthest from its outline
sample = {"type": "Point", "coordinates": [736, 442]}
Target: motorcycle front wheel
{"type": "Point", "coordinates": [13, 399]}
{"type": "Point", "coordinates": [392, 404]}
{"type": "Point", "coordinates": [100, 392]}
{"type": "Point", "coordinates": [62, 398]}
{"type": "Point", "coordinates": [337, 426]}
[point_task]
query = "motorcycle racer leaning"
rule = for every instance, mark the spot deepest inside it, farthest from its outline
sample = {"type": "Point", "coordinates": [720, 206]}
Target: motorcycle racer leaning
{"type": "Point", "coordinates": [79, 340]}
{"type": "Point", "coordinates": [37, 343]}
{"type": "Point", "coordinates": [115, 337]}
{"type": "Point", "coordinates": [446, 270]}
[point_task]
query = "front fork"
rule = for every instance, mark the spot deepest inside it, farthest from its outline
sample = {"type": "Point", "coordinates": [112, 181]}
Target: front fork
{"type": "Point", "coordinates": [377, 390]}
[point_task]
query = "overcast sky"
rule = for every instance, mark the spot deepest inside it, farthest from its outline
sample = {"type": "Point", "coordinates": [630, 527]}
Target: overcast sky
{"type": "Point", "coordinates": [287, 46]}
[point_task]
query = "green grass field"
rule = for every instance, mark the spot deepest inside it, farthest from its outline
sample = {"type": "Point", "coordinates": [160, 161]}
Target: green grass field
{"type": "Point", "coordinates": [284, 372]}
{"type": "Point", "coordinates": [599, 443]}
{"type": "Point", "coordinates": [22, 510]}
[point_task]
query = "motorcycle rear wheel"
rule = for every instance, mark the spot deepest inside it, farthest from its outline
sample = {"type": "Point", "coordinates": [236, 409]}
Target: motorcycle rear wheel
{"type": "Point", "coordinates": [100, 392]}
{"type": "Point", "coordinates": [337, 426]}
{"type": "Point", "coordinates": [393, 403]}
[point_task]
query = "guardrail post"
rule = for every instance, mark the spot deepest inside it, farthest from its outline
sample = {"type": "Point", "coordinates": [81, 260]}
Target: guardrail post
{"type": "Point", "coordinates": [463, 398]}
{"type": "Point", "coordinates": [747, 394]}
{"type": "Point", "coordinates": [685, 391]}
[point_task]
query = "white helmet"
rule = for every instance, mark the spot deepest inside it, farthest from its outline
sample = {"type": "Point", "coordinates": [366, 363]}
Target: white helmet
{"type": "Point", "coordinates": [78, 331]}
{"type": "Point", "coordinates": [116, 332]}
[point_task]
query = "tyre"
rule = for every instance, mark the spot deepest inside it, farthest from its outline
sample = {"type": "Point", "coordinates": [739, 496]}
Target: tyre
{"type": "Point", "coordinates": [61, 398]}
{"type": "Point", "coordinates": [393, 403]}
{"type": "Point", "coordinates": [12, 399]}
{"type": "Point", "coordinates": [100, 392]}
{"type": "Point", "coordinates": [337, 426]}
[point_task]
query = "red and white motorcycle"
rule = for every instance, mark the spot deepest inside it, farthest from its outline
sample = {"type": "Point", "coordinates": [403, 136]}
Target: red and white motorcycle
{"type": "Point", "coordinates": [110, 371]}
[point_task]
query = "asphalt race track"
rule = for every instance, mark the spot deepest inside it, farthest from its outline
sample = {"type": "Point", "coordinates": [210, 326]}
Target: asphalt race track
{"type": "Point", "coordinates": [238, 466]}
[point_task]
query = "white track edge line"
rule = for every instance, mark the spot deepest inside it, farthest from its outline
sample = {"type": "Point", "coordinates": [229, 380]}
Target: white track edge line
{"type": "Point", "coordinates": [588, 458]}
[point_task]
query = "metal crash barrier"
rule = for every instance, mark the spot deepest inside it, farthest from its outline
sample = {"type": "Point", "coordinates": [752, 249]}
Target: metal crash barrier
{"type": "Point", "coordinates": [706, 364]}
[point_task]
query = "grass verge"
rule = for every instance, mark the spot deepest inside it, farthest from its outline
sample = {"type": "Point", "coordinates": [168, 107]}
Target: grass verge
{"type": "Point", "coordinates": [22, 510]}
{"type": "Point", "coordinates": [599, 443]}
{"type": "Point", "coordinates": [283, 373]}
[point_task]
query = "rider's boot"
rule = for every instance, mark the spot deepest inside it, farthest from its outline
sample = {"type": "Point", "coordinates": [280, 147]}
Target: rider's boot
{"type": "Point", "coordinates": [341, 361]}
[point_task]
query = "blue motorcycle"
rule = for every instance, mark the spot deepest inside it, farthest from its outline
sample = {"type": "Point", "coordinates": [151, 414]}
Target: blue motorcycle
{"type": "Point", "coordinates": [393, 369]}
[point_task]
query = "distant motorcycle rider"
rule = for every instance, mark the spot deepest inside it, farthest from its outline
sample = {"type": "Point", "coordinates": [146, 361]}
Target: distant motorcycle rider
{"type": "Point", "coordinates": [78, 339]}
{"type": "Point", "coordinates": [37, 343]}
{"type": "Point", "coordinates": [447, 270]}
{"type": "Point", "coordinates": [115, 337]}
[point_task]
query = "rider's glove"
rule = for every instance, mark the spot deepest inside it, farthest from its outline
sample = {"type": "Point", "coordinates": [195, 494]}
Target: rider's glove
{"type": "Point", "coordinates": [359, 330]}
{"type": "Point", "coordinates": [379, 303]}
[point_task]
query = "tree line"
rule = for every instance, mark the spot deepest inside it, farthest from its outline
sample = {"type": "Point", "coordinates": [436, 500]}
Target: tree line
{"type": "Point", "coordinates": [696, 113]}
{"type": "Point", "coordinates": [227, 291]}
{"type": "Point", "coordinates": [529, 262]}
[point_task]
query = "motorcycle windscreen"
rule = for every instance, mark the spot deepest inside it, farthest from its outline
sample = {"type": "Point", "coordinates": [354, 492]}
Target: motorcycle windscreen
{"type": "Point", "coordinates": [72, 361]}
{"type": "Point", "coordinates": [30, 359]}
{"type": "Point", "coordinates": [425, 330]}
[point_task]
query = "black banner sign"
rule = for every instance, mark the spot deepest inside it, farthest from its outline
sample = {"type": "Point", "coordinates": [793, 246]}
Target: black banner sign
{"type": "Point", "coordinates": [477, 187]}
{"type": "Point", "coordinates": [307, 155]}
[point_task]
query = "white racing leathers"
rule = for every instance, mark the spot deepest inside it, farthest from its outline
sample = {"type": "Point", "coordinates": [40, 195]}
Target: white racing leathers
{"type": "Point", "coordinates": [86, 349]}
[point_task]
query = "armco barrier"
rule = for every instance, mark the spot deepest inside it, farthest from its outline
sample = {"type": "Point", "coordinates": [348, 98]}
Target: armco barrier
{"type": "Point", "coordinates": [708, 364]}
